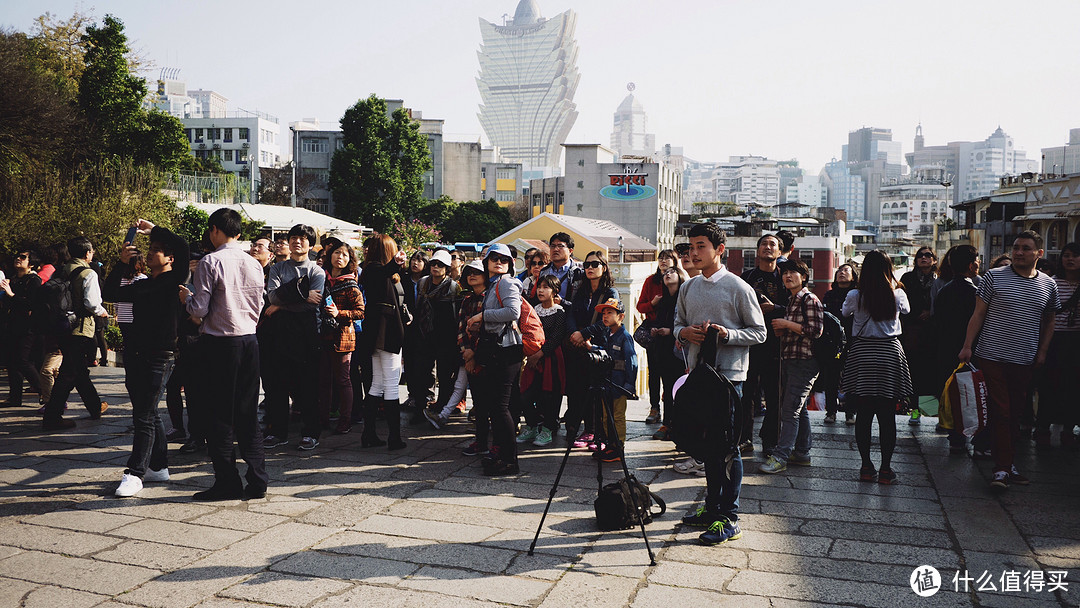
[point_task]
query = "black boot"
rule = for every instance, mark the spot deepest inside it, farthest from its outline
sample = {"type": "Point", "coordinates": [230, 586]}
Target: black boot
{"type": "Point", "coordinates": [369, 438]}
{"type": "Point", "coordinates": [393, 424]}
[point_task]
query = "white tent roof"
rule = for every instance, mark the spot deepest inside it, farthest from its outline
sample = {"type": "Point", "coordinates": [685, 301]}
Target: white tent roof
{"type": "Point", "coordinates": [279, 218]}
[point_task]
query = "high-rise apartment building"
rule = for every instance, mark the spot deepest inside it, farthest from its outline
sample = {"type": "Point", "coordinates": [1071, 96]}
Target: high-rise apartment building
{"type": "Point", "coordinates": [1062, 160]}
{"type": "Point", "coordinates": [527, 80]}
{"type": "Point", "coordinates": [974, 168]}
{"type": "Point", "coordinates": [872, 155]}
{"type": "Point", "coordinates": [748, 181]}
{"type": "Point", "coordinates": [846, 191]}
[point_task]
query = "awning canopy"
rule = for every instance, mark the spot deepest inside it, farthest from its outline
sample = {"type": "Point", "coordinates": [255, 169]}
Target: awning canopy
{"type": "Point", "coordinates": [279, 218]}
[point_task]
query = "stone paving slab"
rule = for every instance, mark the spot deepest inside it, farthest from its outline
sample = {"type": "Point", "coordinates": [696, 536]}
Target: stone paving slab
{"type": "Point", "coordinates": [345, 526]}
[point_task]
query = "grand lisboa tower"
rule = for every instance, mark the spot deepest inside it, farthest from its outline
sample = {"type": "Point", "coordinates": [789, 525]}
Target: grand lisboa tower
{"type": "Point", "coordinates": [528, 76]}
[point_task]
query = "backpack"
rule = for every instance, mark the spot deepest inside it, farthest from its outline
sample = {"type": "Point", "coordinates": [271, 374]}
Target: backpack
{"type": "Point", "coordinates": [830, 344]}
{"type": "Point", "coordinates": [532, 330]}
{"type": "Point", "coordinates": [702, 419]}
{"type": "Point", "coordinates": [619, 505]}
{"type": "Point", "coordinates": [56, 313]}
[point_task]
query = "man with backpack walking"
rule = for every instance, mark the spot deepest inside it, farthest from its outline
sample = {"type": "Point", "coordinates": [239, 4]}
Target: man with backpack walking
{"type": "Point", "coordinates": [72, 298]}
{"type": "Point", "coordinates": [720, 301]}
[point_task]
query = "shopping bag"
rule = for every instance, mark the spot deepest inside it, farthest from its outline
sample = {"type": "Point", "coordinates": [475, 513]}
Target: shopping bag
{"type": "Point", "coordinates": [928, 405]}
{"type": "Point", "coordinates": [816, 402]}
{"type": "Point", "coordinates": [973, 399]}
{"type": "Point", "coordinates": [950, 397]}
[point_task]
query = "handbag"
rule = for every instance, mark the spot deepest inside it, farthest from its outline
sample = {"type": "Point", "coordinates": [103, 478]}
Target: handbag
{"type": "Point", "coordinates": [643, 334]}
{"type": "Point", "coordinates": [621, 504]}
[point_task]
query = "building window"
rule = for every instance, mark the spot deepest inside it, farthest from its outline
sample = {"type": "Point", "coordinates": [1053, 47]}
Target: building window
{"type": "Point", "coordinates": [213, 134]}
{"type": "Point", "coordinates": [314, 145]}
{"type": "Point", "coordinates": [318, 205]}
{"type": "Point", "coordinates": [241, 156]}
{"type": "Point", "coordinates": [228, 155]}
{"type": "Point", "coordinates": [505, 197]}
{"type": "Point", "coordinates": [198, 134]}
{"type": "Point", "coordinates": [187, 134]}
{"type": "Point", "coordinates": [749, 259]}
{"type": "Point", "coordinates": [505, 174]}
{"type": "Point", "coordinates": [807, 258]}
{"type": "Point", "coordinates": [228, 134]}
{"type": "Point", "coordinates": [995, 240]}
{"type": "Point", "coordinates": [244, 133]}
{"type": "Point", "coordinates": [320, 178]}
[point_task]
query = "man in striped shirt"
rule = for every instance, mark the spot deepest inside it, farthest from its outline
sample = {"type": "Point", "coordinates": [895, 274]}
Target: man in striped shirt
{"type": "Point", "coordinates": [1014, 321]}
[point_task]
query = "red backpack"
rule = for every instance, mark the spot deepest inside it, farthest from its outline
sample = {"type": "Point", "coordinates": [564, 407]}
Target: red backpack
{"type": "Point", "coordinates": [532, 330]}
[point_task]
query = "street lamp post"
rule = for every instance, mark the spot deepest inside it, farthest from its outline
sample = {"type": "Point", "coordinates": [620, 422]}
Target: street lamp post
{"type": "Point", "coordinates": [292, 190]}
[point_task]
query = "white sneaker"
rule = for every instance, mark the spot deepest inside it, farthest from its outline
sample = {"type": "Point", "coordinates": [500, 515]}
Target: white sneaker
{"type": "Point", "coordinates": [152, 475]}
{"type": "Point", "coordinates": [129, 486]}
{"type": "Point", "coordinates": [690, 467]}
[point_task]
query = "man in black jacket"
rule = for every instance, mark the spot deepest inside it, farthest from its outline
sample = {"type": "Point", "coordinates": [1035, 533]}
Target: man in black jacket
{"type": "Point", "coordinates": [151, 351]}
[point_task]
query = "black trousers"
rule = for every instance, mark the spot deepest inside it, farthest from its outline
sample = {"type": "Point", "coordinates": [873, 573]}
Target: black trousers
{"type": "Point", "coordinates": [146, 376]}
{"type": "Point", "coordinates": [491, 393]}
{"type": "Point", "coordinates": [74, 374]}
{"type": "Point", "coordinates": [21, 366]}
{"type": "Point", "coordinates": [230, 395]}
{"type": "Point", "coordinates": [418, 360]}
{"type": "Point", "coordinates": [763, 376]}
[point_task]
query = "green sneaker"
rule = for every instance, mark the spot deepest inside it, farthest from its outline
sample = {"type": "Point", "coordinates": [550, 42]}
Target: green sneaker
{"type": "Point", "coordinates": [915, 415]}
{"type": "Point", "coordinates": [543, 437]}
{"type": "Point", "coordinates": [802, 460]}
{"type": "Point", "coordinates": [527, 434]}
{"type": "Point", "coordinates": [702, 518]}
{"type": "Point", "coordinates": [720, 532]}
{"type": "Point", "coordinates": [773, 465]}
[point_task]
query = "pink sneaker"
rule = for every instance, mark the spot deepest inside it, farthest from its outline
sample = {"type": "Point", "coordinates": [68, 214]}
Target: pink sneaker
{"type": "Point", "coordinates": [596, 446]}
{"type": "Point", "coordinates": [584, 440]}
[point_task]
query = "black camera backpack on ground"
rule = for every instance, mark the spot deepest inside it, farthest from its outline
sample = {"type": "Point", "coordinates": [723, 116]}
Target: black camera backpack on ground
{"type": "Point", "coordinates": [618, 504]}
{"type": "Point", "coordinates": [56, 310]}
{"type": "Point", "coordinates": [702, 419]}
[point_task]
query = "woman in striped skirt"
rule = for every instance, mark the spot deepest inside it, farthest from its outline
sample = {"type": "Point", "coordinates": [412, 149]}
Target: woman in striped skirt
{"type": "Point", "coordinates": [876, 373]}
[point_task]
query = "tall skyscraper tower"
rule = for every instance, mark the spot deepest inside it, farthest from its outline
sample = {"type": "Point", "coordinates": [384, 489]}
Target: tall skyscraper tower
{"type": "Point", "coordinates": [629, 137]}
{"type": "Point", "coordinates": [528, 76]}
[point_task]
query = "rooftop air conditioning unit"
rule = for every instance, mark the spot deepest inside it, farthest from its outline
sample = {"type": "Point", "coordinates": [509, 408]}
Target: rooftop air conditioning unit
{"type": "Point", "coordinates": [217, 146]}
{"type": "Point", "coordinates": [247, 145]}
{"type": "Point", "coordinates": [202, 146]}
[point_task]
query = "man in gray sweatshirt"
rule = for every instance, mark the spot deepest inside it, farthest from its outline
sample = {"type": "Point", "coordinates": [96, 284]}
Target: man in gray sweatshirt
{"type": "Point", "coordinates": [721, 300]}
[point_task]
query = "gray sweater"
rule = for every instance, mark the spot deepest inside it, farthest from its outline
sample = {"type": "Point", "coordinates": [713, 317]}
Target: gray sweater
{"type": "Point", "coordinates": [286, 271]}
{"type": "Point", "coordinates": [731, 303]}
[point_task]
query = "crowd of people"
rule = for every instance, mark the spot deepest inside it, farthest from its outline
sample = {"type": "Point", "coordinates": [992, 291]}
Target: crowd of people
{"type": "Point", "coordinates": [331, 332]}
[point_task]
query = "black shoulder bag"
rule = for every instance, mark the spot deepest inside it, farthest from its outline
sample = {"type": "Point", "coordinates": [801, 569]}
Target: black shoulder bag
{"type": "Point", "coordinates": [619, 504]}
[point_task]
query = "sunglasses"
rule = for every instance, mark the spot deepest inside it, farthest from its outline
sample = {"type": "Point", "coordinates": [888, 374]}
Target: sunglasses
{"type": "Point", "coordinates": [499, 259]}
{"type": "Point", "coordinates": [438, 265]}
{"type": "Point", "coordinates": [592, 264]}
{"type": "Point", "coordinates": [536, 263]}
{"type": "Point", "coordinates": [22, 256]}
{"type": "Point", "coordinates": [925, 255]}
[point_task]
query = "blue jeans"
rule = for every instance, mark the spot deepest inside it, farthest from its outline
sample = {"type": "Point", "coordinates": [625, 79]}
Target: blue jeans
{"type": "Point", "coordinates": [722, 490]}
{"type": "Point", "coordinates": [797, 377]}
{"type": "Point", "coordinates": [146, 376]}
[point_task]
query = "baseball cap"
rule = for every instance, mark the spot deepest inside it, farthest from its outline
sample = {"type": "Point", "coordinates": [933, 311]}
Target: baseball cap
{"type": "Point", "coordinates": [611, 303]}
{"type": "Point", "coordinates": [500, 249]}
{"type": "Point", "coordinates": [442, 256]}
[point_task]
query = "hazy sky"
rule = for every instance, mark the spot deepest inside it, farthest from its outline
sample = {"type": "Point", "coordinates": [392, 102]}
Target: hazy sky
{"type": "Point", "coordinates": [784, 79]}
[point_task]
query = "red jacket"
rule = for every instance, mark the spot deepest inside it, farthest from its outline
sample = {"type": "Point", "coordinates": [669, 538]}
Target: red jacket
{"type": "Point", "coordinates": [654, 286]}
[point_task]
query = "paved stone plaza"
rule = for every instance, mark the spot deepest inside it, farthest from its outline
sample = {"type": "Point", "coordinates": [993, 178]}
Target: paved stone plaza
{"type": "Point", "coordinates": [343, 526]}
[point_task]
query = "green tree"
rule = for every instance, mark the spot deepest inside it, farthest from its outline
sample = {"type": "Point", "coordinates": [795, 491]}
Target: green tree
{"type": "Point", "coordinates": [412, 233]}
{"type": "Point", "coordinates": [469, 221]}
{"type": "Point", "coordinates": [111, 98]}
{"type": "Point", "coordinates": [377, 176]}
{"type": "Point", "coordinates": [191, 223]}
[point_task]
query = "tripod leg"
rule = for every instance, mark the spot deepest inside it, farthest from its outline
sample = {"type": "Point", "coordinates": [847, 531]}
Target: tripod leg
{"type": "Point", "coordinates": [551, 495]}
{"type": "Point", "coordinates": [620, 448]}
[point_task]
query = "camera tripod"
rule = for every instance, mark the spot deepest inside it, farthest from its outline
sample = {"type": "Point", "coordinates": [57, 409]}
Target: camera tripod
{"type": "Point", "coordinates": [596, 397]}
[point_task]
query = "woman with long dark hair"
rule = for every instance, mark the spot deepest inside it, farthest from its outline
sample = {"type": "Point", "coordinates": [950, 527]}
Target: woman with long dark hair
{"type": "Point", "coordinates": [917, 339]}
{"type": "Point", "coordinates": [1057, 401]}
{"type": "Point", "coordinates": [876, 373]}
{"type": "Point", "coordinates": [662, 349]}
{"type": "Point", "coordinates": [652, 291]}
{"type": "Point", "coordinates": [343, 304]}
{"type": "Point", "coordinates": [499, 355]}
{"type": "Point", "coordinates": [584, 322]}
{"type": "Point", "coordinates": [385, 320]}
{"type": "Point", "coordinates": [844, 280]}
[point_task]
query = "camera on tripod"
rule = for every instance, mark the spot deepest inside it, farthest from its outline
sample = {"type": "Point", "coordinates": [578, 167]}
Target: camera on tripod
{"type": "Point", "coordinates": [600, 364]}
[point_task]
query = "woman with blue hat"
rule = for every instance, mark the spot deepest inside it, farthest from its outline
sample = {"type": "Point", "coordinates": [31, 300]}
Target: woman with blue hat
{"type": "Point", "coordinates": [499, 353]}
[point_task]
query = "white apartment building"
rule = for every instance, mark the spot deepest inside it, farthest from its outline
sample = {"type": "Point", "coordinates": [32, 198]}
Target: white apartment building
{"type": "Point", "coordinates": [1063, 160]}
{"type": "Point", "coordinates": [910, 210]}
{"type": "Point", "coordinates": [748, 181]}
{"type": "Point", "coordinates": [804, 196]}
{"type": "Point", "coordinates": [243, 141]}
